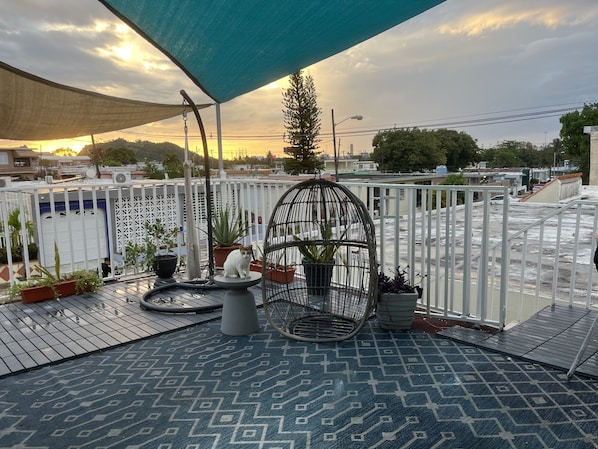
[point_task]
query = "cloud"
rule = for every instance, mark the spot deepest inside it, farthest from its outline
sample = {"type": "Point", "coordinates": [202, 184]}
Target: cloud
{"type": "Point", "coordinates": [507, 15]}
{"type": "Point", "coordinates": [467, 58]}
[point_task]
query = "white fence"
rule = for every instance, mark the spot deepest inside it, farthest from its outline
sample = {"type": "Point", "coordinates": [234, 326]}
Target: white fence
{"type": "Point", "coordinates": [477, 261]}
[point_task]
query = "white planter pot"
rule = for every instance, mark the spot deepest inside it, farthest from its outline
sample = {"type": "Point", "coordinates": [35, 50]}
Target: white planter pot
{"type": "Point", "coordinates": [395, 310]}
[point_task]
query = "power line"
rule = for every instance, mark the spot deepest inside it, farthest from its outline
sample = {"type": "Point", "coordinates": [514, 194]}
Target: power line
{"type": "Point", "coordinates": [449, 123]}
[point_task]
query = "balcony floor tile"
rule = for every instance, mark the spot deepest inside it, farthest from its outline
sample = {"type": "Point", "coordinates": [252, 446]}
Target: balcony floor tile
{"type": "Point", "coordinates": [552, 336]}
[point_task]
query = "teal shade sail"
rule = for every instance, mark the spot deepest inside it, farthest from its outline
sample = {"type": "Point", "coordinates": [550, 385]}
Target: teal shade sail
{"type": "Point", "coordinates": [231, 47]}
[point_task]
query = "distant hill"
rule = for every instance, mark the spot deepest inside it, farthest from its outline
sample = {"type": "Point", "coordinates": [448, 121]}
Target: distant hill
{"type": "Point", "coordinates": [144, 150]}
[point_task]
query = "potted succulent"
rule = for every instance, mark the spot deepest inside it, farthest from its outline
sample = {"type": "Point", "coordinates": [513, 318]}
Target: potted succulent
{"type": "Point", "coordinates": [318, 259]}
{"type": "Point", "coordinates": [228, 228]}
{"type": "Point", "coordinates": [397, 299]}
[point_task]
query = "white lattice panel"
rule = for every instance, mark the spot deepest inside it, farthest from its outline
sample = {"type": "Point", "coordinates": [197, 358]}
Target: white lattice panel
{"type": "Point", "coordinates": [131, 214]}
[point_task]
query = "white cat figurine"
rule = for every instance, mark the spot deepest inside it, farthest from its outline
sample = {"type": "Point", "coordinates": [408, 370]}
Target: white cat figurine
{"type": "Point", "coordinates": [237, 263]}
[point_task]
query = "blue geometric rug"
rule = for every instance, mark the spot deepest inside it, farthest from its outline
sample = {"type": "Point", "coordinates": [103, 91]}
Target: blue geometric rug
{"type": "Point", "coordinates": [198, 388]}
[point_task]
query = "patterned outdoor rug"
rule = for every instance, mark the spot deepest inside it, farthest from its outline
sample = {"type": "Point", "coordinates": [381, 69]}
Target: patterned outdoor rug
{"type": "Point", "coordinates": [197, 388]}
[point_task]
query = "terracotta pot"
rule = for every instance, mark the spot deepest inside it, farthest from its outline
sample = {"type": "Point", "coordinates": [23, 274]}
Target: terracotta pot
{"type": "Point", "coordinates": [35, 294]}
{"type": "Point", "coordinates": [66, 288]}
{"type": "Point", "coordinates": [282, 275]}
{"type": "Point", "coordinates": [255, 265]}
{"type": "Point", "coordinates": [221, 252]}
{"type": "Point", "coordinates": [395, 310]}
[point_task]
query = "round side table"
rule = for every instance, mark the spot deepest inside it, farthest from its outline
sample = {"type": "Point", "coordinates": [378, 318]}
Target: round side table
{"type": "Point", "coordinates": [239, 314]}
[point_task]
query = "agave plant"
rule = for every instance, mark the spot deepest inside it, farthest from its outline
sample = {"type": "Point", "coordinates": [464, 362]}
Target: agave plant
{"type": "Point", "coordinates": [320, 252]}
{"type": "Point", "coordinates": [228, 227]}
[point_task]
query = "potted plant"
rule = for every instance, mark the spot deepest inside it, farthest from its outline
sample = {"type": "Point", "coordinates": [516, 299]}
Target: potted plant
{"type": "Point", "coordinates": [87, 281]}
{"type": "Point", "coordinates": [397, 299]}
{"type": "Point", "coordinates": [318, 259]}
{"type": "Point", "coordinates": [277, 272]}
{"type": "Point", "coordinates": [158, 256]}
{"type": "Point", "coordinates": [43, 288]}
{"type": "Point", "coordinates": [48, 285]}
{"type": "Point", "coordinates": [134, 255]}
{"type": "Point", "coordinates": [78, 282]}
{"type": "Point", "coordinates": [36, 289]}
{"type": "Point", "coordinates": [53, 285]}
{"type": "Point", "coordinates": [228, 228]}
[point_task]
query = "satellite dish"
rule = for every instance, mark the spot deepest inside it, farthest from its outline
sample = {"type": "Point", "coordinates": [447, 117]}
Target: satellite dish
{"type": "Point", "coordinates": [90, 173]}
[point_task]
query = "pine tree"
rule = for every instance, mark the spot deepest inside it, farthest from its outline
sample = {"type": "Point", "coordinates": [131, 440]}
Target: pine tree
{"type": "Point", "coordinates": [302, 123]}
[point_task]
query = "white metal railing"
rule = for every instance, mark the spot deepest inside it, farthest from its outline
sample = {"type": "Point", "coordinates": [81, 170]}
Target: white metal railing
{"type": "Point", "coordinates": [551, 257]}
{"type": "Point", "coordinates": [478, 261]}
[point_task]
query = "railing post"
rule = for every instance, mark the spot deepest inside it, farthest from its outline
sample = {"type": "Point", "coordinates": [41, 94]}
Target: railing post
{"type": "Point", "coordinates": [467, 266]}
{"type": "Point", "coordinates": [505, 263]}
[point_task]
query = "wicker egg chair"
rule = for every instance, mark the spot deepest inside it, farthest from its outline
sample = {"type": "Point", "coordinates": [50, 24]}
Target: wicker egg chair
{"type": "Point", "coordinates": [323, 231]}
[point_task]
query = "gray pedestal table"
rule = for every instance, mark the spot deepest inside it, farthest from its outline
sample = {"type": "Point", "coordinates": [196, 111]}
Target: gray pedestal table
{"type": "Point", "coordinates": [239, 314]}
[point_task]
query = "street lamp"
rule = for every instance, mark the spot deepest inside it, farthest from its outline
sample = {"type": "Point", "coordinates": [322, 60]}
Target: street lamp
{"type": "Point", "coordinates": [353, 117]}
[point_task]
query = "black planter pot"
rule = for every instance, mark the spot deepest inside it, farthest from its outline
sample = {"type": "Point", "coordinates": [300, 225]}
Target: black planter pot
{"type": "Point", "coordinates": [165, 265]}
{"type": "Point", "coordinates": [318, 276]}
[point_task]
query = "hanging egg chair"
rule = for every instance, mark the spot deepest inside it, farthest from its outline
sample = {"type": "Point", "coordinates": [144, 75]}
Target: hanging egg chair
{"type": "Point", "coordinates": [324, 232]}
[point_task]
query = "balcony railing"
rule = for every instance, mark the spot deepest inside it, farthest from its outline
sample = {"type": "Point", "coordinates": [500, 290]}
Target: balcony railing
{"type": "Point", "coordinates": [478, 261]}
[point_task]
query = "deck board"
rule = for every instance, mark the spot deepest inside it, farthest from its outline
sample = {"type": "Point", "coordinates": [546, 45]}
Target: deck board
{"type": "Point", "coordinates": [552, 336]}
{"type": "Point", "coordinates": [34, 335]}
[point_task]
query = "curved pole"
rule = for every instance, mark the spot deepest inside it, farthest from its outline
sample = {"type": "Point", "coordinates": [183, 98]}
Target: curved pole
{"type": "Point", "coordinates": [334, 145]}
{"type": "Point", "coordinates": [206, 163]}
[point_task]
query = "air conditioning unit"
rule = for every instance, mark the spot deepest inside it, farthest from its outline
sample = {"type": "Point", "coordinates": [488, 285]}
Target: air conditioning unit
{"type": "Point", "coordinates": [121, 177]}
{"type": "Point", "coordinates": [49, 179]}
{"type": "Point", "coordinates": [5, 181]}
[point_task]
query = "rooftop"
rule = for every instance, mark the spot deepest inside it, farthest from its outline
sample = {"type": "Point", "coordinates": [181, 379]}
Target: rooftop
{"type": "Point", "coordinates": [97, 370]}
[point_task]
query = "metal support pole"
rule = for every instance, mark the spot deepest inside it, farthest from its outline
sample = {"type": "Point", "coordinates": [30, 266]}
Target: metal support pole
{"type": "Point", "coordinates": [334, 145]}
{"type": "Point", "coordinates": [209, 205]}
{"type": "Point", "coordinates": [221, 172]}
{"type": "Point", "coordinates": [583, 347]}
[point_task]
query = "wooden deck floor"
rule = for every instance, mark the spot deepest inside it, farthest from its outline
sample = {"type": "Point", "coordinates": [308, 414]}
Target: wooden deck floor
{"type": "Point", "coordinates": [34, 335]}
{"type": "Point", "coordinates": [553, 336]}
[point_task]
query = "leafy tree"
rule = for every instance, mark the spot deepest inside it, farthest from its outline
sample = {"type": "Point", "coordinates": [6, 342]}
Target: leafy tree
{"type": "Point", "coordinates": [511, 153]}
{"type": "Point", "coordinates": [151, 171]}
{"type": "Point", "coordinates": [460, 148]}
{"type": "Point", "coordinates": [529, 155]}
{"type": "Point", "coordinates": [269, 160]}
{"type": "Point", "coordinates": [576, 144]}
{"type": "Point", "coordinates": [45, 168]}
{"type": "Point", "coordinates": [547, 155]}
{"type": "Point", "coordinates": [407, 150]}
{"type": "Point", "coordinates": [454, 179]}
{"type": "Point", "coordinates": [173, 166]}
{"type": "Point", "coordinates": [64, 152]}
{"type": "Point", "coordinates": [119, 156]}
{"type": "Point", "coordinates": [505, 158]}
{"type": "Point", "coordinates": [302, 123]}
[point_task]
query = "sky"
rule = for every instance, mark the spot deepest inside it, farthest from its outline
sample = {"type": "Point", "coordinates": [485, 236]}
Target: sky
{"type": "Point", "coordinates": [497, 70]}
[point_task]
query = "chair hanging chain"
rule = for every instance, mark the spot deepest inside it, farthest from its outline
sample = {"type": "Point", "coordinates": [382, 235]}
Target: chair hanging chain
{"type": "Point", "coordinates": [185, 128]}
